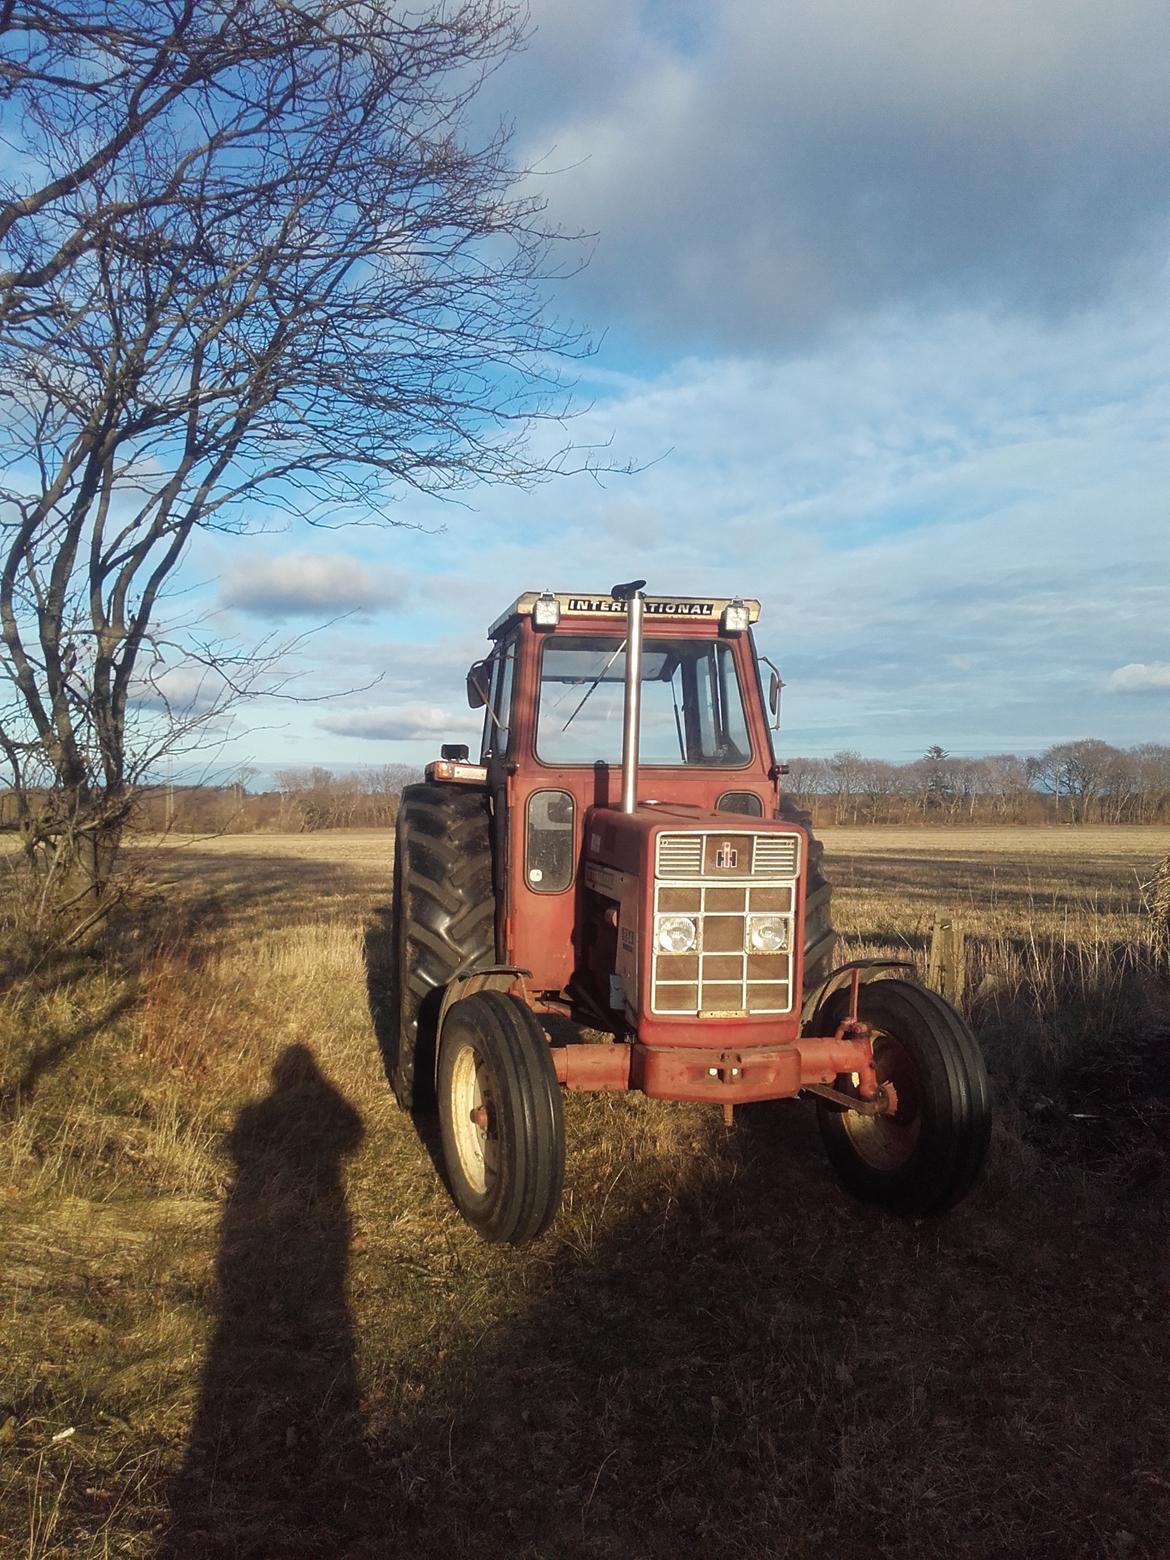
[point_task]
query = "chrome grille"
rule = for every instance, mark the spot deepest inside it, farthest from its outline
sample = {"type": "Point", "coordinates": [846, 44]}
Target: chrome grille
{"type": "Point", "coordinates": [721, 880]}
{"type": "Point", "coordinates": [680, 855]}
{"type": "Point", "coordinates": [776, 855]}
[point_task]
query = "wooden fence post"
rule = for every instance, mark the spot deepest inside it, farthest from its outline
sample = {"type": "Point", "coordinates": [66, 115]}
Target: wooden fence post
{"type": "Point", "coordinates": [946, 968]}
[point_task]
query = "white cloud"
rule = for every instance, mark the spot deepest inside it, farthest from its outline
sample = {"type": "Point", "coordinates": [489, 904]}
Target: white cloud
{"type": "Point", "coordinates": [406, 723]}
{"type": "Point", "coordinates": [1140, 677]}
{"type": "Point", "coordinates": [302, 584]}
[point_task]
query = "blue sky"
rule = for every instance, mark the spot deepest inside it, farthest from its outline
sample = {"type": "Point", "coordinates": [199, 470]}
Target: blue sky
{"type": "Point", "coordinates": [884, 297]}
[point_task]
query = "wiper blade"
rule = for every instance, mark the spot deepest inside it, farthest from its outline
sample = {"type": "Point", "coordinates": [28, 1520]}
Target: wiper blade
{"type": "Point", "coordinates": [593, 685]}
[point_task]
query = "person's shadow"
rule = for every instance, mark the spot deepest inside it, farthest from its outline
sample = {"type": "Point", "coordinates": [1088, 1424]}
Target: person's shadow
{"type": "Point", "coordinates": [277, 1430]}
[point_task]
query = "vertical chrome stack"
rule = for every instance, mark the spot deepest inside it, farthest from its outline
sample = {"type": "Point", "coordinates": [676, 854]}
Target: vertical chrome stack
{"type": "Point", "coordinates": [631, 594]}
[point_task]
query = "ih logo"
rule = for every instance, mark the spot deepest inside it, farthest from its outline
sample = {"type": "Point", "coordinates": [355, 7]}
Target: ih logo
{"type": "Point", "coordinates": [726, 856]}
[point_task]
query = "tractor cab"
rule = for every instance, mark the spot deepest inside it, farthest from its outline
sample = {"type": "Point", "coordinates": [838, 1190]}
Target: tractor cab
{"type": "Point", "coordinates": [621, 860]}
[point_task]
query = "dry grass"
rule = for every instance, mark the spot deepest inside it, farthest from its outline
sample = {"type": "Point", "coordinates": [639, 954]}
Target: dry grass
{"type": "Point", "coordinates": [230, 1270]}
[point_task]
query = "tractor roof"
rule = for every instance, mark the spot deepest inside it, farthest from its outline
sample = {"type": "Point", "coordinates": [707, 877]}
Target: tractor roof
{"type": "Point", "coordinates": [683, 608]}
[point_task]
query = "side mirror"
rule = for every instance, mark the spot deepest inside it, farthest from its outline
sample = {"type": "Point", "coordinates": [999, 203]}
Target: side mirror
{"type": "Point", "coordinates": [775, 683]}
{"type": "Point", "coordinates": [477, 685]}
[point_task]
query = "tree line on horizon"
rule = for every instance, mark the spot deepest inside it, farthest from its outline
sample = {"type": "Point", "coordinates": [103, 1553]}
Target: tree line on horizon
{"type": "Point", "coordinates": [1087, 781]}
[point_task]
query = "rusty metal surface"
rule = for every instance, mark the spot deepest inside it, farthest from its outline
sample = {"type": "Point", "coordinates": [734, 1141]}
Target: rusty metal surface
{"type": "Point", "coordinates": [871, 969]}
{"type": "Point", "coordinates": [496, 977]}
{"type": "Point", "coordinates": [592, 1067]}
{"type": "Point", "coordinates": [886, 1103]}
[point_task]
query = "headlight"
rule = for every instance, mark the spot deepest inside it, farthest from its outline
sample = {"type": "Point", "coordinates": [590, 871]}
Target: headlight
{"type": "Point", "coordinates": [676, 933]}
{"type": "Point", "coordinates": [767, 933]}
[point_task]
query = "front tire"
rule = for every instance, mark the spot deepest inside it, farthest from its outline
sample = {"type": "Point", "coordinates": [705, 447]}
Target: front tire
{"type": "Point", "coordinates": [926, 1155]}
{"type": "Point", "coordinates": [501, 1119]}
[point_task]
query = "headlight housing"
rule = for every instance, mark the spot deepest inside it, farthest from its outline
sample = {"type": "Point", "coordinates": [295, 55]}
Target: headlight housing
{"type": "Point", "coordinates": [736, 617]}
{"type": "Point", "coordinates": [546, 612]}
{"type": "Point", "coordinates": [676, 933]}
{"type": "Point", "coordinates": [767, 933]}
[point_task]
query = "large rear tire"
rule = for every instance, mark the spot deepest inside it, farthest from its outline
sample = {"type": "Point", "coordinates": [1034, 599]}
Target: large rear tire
{"type": "Point", "coordinates": [819, 937]}
{"type": "Point", "coordinates": [926, 1155]}
{"type": "Point", "coordinates": [500, 1118]}
{"type": "Point", "coordinates": [444, 921]}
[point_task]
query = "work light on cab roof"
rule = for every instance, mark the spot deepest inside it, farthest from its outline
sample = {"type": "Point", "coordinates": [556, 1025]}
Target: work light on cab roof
{"type": "Point", "coordinates": [617, 894]}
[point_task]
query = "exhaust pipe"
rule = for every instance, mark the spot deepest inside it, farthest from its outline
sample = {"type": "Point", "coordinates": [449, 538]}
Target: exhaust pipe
{"type": "Point", "coordinates": [631, 594]}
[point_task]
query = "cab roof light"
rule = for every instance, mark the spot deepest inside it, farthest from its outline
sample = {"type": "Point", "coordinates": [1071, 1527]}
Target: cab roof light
{"type": "Point", "coordinates": [736, 617]}
{"type": "Point", "coordinates": [546, 612]}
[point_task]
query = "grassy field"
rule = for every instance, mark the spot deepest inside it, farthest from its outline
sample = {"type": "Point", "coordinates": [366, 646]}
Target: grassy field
{"type": "Point", "coordinates": [242, 1319]}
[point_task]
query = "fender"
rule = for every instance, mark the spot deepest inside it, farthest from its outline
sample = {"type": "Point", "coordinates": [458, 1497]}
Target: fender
{"type": "Point", "coordinates": [871, 969]}
{"type": "Point", "coordinates": [489, 977]}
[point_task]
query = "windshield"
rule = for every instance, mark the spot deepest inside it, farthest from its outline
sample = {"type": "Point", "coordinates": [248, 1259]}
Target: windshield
{"type": "Point", "coordinates": [692, 707]}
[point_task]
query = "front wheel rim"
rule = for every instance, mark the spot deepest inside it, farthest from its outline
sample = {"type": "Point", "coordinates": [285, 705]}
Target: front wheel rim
{"type": "Point", "coordinates": [473, 1120]}
{"type": "Point", "coordinates": [887, 1143]}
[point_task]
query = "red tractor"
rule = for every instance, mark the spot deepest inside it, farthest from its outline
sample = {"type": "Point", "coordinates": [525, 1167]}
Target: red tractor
{"type": "Point", "coordinates": [618, 895]}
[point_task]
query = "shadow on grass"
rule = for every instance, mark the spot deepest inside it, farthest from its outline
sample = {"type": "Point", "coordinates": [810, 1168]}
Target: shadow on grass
{"type": "Point", "coordinates": [740, 1363]}
{"type": "Point", "coordinates": [382, 999]}
{"type": "Point", "coordinates": [16, 1094]}
{"type": "Point", "coordinates": [752, 1365]}
{"type": "Point", "coordinates": [208, 896]}
{"type": "Point", "coordinates": [378, 945]}
{"type": "Point", "coordinates": [277, 1430]}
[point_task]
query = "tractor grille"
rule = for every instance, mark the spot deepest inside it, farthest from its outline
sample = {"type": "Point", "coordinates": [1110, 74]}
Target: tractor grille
{"type": "Point", "coordinates": [680, 855]}
{"type": "Point", "coordinates": [725, 882]}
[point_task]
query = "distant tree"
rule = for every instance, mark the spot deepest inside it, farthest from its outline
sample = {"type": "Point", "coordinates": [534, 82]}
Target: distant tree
{"type": "Point", "coordinates": [938, 786]}
{"type": "Point", "coordinates": [383, 786]}
{"type": "Point", "coordinates": [844, 783]}
{"type": "Point", "coordinates": [1005, 783]}
{"type": "Point", "coordinates": [251, 263]}
{"type": "Point", "coordinates": [805, 777]}
{"type": "Point", "coordinates": [1151, 768]}
{"type": "Point", "coordinates": [878, 782]}
{"type": "Point", "coordinates": [1077, 775]}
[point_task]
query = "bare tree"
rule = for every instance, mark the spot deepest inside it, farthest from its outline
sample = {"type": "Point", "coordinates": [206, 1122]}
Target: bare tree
{"type": "Point", "coordinates": [1005, 783]}
{"type": "Point", "coordinates": [844, 778]}
{"type": "Point", "coordinates": [807, 778]}
{"type": "Point", "coordinates": [1079, 772]}
{"type": "Point", "coordinates": [252, 262]}
{"type": "Point", "coordinates": [1151, 761]}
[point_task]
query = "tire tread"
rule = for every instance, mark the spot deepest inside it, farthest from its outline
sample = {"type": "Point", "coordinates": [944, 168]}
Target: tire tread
{"type": "Point", "coordinates": [528, 1192]}
{"type": "Point", "coordinates": [444, 917]}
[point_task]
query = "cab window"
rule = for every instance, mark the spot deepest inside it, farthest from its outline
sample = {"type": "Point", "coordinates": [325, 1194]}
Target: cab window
{"type": "Point", "coordinates": [692, 705]}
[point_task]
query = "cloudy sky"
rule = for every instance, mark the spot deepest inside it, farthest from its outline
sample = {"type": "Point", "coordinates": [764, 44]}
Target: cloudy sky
{"type": "Point", "coordinates": [884, 293]}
